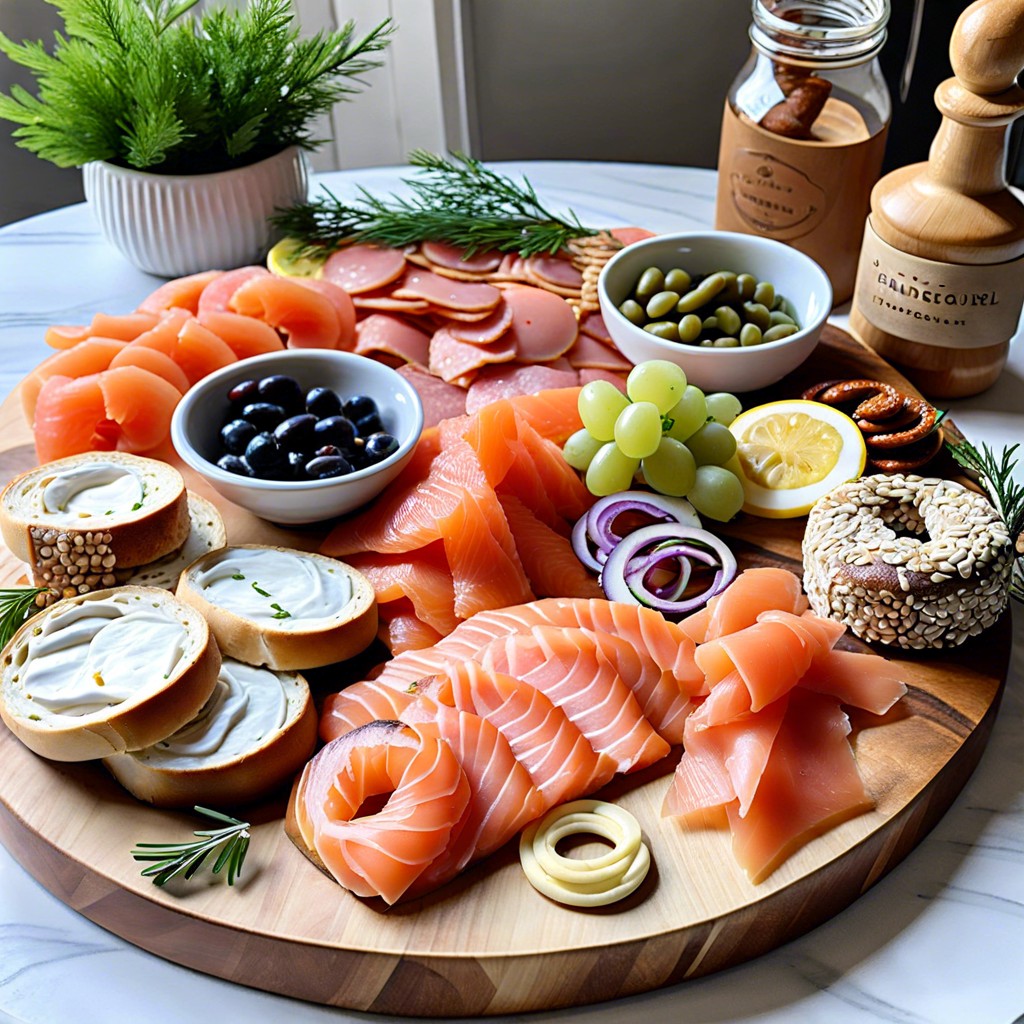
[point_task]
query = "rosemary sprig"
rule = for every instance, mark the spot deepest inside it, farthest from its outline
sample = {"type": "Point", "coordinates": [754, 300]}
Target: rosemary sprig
{"type": "Point", "coordinates": [996, 475]}
{"type": "Point", "coordinates": [454, 199]}
{"type": "Point", "coordinates": [16, 606]}
{"type": "Point", "coordinates": [185, 859]}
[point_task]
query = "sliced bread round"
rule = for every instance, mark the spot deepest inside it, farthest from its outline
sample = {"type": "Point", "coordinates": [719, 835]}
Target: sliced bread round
{"type": "Point", "coordinates": [81, 521]}
{"type": "Point", "coordinates": [254, 734]}
{"type": "Point", "coordinates": [280, 607]}
{"type": "Point", "coordinates": [108, 671]}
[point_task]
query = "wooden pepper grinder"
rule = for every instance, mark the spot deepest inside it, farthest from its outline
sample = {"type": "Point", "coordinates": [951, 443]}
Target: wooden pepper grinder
{"type": "Point", "coordinates": [941, 274]}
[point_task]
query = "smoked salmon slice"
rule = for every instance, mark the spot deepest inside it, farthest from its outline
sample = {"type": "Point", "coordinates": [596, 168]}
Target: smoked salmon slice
{"type": "Point", "coordinates": [181, 293]}
{"type": "Point", "coordinates": [307, 318]}
{"type": "Point", "coordinates": [383, 853]}
{"type": "Point", "coordinates": [89, 356]}
{"type": "Point", "coordinates": [120, 328]}
{"type": "Point", "coordinates": [244, 335]}
{"type": "Point", "coordinates": [154, 361]}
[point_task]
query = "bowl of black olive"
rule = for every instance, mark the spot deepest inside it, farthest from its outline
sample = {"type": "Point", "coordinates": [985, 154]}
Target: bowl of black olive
{"type": "Point", "coordinates": [299, 436]}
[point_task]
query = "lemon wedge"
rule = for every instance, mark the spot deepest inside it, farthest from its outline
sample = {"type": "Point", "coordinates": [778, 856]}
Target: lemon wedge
{"type": "Point", "coordinates": [790, 453]}
{"type": "Point", "coordinates": [284, 259]}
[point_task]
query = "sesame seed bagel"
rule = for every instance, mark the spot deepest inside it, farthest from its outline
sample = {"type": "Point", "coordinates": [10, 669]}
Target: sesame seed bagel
{"type": "Point", "coordinates": [908, 561]}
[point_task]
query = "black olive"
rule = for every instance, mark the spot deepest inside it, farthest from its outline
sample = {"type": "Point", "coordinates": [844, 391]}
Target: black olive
{"type": "Point", "coordinates": [378, 447]}
{"type": "Point", "coordinates": [295, 434]}
{"type": "Point", "coordinates": [243, 393]}
{"type": "Point", "coordinates": [236, 435]}
{"type": "Point", "coordinates": [263, 415]}
{"type": "Point", "coordinates": [328, 449]}
{"type": "Point", "coordinates": [359, 406]}
{"type": "Point", "coordinates": [233, 464]}
{"type": "Point", "coordinates": [325, 466]}
{"type": "Point", "coordinates": [336, 430]}
{"type": "Point", "coordinates": [265, 456]}
{"type": "Point", "coordinates": [297, 465]}
{"type": "Point", "coordinates": [369, 424]}
{"type": "Point", "coordinates": [322, 402]}
{"type": "Point", "coordinates": [282, 390]}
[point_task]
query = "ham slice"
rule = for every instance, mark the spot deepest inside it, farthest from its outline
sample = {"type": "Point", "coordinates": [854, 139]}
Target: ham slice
{"type": "Point", "coordinates": [593, 325]}
{"type": "Point", "coordinates": [587, 353]}
{"type": "Point", "coordinates": [487, 330]}
{"type": "Point", "coordinates": [364, 268]}
{"type": "Point", "coordinates": [452, 359]}
{"type": "Point", "coordinates": [447, 293]}
{"type": "Point", "coordinates": [441, 400]}
{"type": "Point", "coordinates": [382, 333]}
{"type": "Point", "coordinates": [385, 302]}
{"type": "Point", "coordinates": [543, 325]}
{"type": "Point", "coordinates": [453, 258]}
{"type": "Point", "coordinates": [554, 271]}
{"type": "Point", "coordinates": [495, 382]}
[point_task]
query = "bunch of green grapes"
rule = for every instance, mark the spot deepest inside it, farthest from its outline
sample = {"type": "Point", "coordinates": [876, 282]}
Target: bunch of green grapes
{"type": "Point", "coordinates": [668, 431]}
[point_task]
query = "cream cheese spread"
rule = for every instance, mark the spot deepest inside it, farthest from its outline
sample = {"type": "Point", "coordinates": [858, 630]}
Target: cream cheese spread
{"type": "Point", "coordinates": [96, 654]}
{"type": "Point", "coordinates": [93, 489]}
{"type": "Point", "coordinates": [247, 706]}
{"type": "Point", "coordinates": [275, 588]}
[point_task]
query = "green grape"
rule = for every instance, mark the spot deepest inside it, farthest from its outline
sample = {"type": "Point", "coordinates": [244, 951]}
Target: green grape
{"type": "Point", "coordinates": [688, 414]}
{"type": "Point", "coordinates": [638, 430]}
{"type": "Point", "coordinates": [722, 407]}
{"type": "Point", "coordinates": [657, 381]}
{"type": "Point", "coordinates": [712, 444]}
{"type": "Point", "coordinates": [600, 403]}
{"type": "Point", "coordinates": [671, 469]}
{"type": "Point", "coordinates": [716, 493]}
{"type": "Point", "coordinates": [610, 471]}
{"type": "Point", "coordinates": [580, 449]}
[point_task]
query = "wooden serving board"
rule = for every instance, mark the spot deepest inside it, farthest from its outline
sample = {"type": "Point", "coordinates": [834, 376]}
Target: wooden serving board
{"type": "Point", "coordinates": [488, 943]}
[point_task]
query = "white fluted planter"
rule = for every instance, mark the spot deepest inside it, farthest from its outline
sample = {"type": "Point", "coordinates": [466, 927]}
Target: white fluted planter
{"type": "Point", "coordinates": [173, 225]}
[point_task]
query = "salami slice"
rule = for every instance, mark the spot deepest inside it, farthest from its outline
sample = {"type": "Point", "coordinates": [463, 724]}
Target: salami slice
{"type": "Point", "coordinates": [486, 331]}
{"type": "Point", "coordinates": [445, 292]}
{"type": "Point", "coordinates": [452, 359]}
{"type": "Point", "coordinates": [363, 268]}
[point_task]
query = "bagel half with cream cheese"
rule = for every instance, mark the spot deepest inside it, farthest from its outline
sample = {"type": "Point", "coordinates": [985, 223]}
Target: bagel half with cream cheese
{"type": "Point", "coordinates": [80, 522]}
{"type": "Point", "coordinates": [255, 733]}
{"type": "Point", "coordinates": [105, 672]}
{"type": "Point", "coordinates": [279, 607]}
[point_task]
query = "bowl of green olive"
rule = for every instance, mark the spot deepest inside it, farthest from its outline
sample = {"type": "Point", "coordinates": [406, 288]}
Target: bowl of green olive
{"type": "Point", "coordinates": [737, 312]}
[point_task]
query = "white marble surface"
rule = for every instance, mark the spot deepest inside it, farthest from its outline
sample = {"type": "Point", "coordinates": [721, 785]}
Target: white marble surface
{"type": "Point", "coordinates": [940, 939]}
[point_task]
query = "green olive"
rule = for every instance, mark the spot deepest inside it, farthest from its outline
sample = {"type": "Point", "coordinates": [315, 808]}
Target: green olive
{"type": "Point", "coordinates": [652, 280]}
{"type": "Point", "coordinates": [661, 304]}
{"type": "Point", "coordinates": [756, 313]}
{"type": "Point", "coordinates": [726, 342]}
{"type": "Point", "coordinates": [777, 317]}
{"type": "Point", "coordinates": [780, 331]}
{"type": "Point", "coordinates": [765, 293]}
{"type": "Point", "coordinates": [728, 320]}
{"type": "Point", "coordinates": [710, 323]}
{"type": "Point", "coordinates": [702, 293]}
{"type": "Point", "coordinates": [690, 328]}
{"type": "Point", "coordinates": [750, 334]}
{"type": "Point", "coordinates": [677, 280]}
{"type": "Point", "coordinates": [633, 312]}
{"type": "Point", "coordinates": [665, 329]}
{"type": "Point", "coordinates": [746, 284]}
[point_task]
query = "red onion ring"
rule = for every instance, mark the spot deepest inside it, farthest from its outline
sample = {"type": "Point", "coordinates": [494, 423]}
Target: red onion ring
{"type": "Point", "coordinates": [636, 546]}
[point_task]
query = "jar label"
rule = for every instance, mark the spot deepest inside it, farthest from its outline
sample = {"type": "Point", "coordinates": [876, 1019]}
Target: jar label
{"type": "Point", "coordinates": [948, 305]}
{"type": "Point", "coordinates": [772, 196]}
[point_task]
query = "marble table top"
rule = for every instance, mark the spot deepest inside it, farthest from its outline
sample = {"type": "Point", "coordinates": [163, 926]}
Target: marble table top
{"type": "Point", "coordinates": [940, 939]}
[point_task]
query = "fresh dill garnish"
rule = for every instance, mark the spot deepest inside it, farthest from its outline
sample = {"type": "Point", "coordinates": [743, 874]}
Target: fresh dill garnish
{"type": "Point", "coordinates": [238, 576]}
{"type": "Point", "coordinates": [185, 859]}
{"type": "Point", "coordinates": [135, 507]}
{"type": "Point", "coordinates": [16, 606]}
{"type": "Point", "coordinates": [279, 612]}
{"type": "Point", "coordinates": [996, 476]}
{"type": "Point", "coordinates": [454, 199]}
{"type": "Point", "coordinates": [259, 590]}
{"type": "Point", "coordinates": [148, 84]}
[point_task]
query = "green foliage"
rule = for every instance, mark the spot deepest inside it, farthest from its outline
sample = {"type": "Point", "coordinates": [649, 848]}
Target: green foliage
{"type": "Point", "coordinates": [146, 84]}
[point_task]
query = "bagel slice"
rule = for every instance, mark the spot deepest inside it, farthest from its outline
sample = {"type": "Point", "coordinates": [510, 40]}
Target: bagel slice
{"type": "Point", "coordinates": [105, 672]}
{"type": "Point", "coordinates": [279, 607]}
{"type": "Point", "coordinates": [255, 733]}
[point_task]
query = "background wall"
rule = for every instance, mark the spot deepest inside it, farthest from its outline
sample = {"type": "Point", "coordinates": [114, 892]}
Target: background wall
{"type": "Point", "coordinates": [632, 80]}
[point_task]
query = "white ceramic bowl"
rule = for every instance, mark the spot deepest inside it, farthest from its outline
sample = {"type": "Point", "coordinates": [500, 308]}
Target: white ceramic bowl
{"type": "Point", "coordinates": [794, 275]}
{"type": "Point", "coordinates": [199, 416]}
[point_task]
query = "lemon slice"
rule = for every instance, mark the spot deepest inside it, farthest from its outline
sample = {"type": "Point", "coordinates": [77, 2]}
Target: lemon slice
{"type": "Point", "coordinates": [285, 261]}
{"type": "Point", "coordinates": [789, 454]}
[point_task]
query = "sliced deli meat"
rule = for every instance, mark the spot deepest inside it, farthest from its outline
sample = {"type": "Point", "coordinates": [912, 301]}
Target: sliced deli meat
{"type": "Point", "coordinates": [469, 296]}
{"type": "Point", "coordinates": [452, 359]}
{"type": "Point", "coordinates": [543, 325]}
{"type": "Point", "coordinates": [451, 257]}
{"type": "Point", "coordinates": [440, 399]}
{"type": "Point", "coordinates": [364, 268]}
{"type": "Point", "coordinates": [391, 336]}
{"type": "Point", "coordinates": [593, 324]}
{"type": "Point", "coordinates": [588, 353]}
{"type": "Point", "coordinates": [496, 382]}
{"type": "Point", "coordinates": [485, 331]}
{"type": "Point", "coordinates": [554, 271]}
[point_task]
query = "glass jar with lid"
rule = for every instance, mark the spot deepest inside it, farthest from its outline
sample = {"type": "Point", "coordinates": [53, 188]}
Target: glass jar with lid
{"type": "Point", "coordinates": [804, 128]}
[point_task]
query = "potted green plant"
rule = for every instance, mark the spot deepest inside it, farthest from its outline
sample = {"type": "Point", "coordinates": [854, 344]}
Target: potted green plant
{"type": "Point", "coordinates": [190, 129]}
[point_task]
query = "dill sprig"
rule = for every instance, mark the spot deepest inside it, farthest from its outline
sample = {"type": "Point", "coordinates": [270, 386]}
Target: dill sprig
{"type": "Point", "coordinates": [16, 606]}
{"type": "Point", "coordinates": [185, 859]}
{"type": "Point", "coordinates": [454, 199]}
{"type": "Point", "coordinates": [146, 84]}
{"type": "Point", "coordinates": [996, 476]}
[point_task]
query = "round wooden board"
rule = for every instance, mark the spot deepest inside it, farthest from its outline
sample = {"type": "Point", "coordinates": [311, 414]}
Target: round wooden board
{"type": "Point", "coordinates": [487, 943]}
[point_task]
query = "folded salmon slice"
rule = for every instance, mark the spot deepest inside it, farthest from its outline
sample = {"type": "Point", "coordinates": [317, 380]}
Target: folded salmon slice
{"type": "Point", "coordinates": [89, 356]}
{"type": "Point", "coordinates": [181, 293]}
{"type": "Point", "coordinates": [382, 853]}
{"type": "Point", "coordinates": [360, 704]}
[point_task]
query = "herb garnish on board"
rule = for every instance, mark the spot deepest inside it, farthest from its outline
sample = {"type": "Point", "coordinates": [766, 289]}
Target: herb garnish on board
{"type": "Point", "coordinates": [455, 200]}
{"type": "Point", "coordinates": [16, 606]}
{"type": "Point", "coordinates": [185, 859]}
